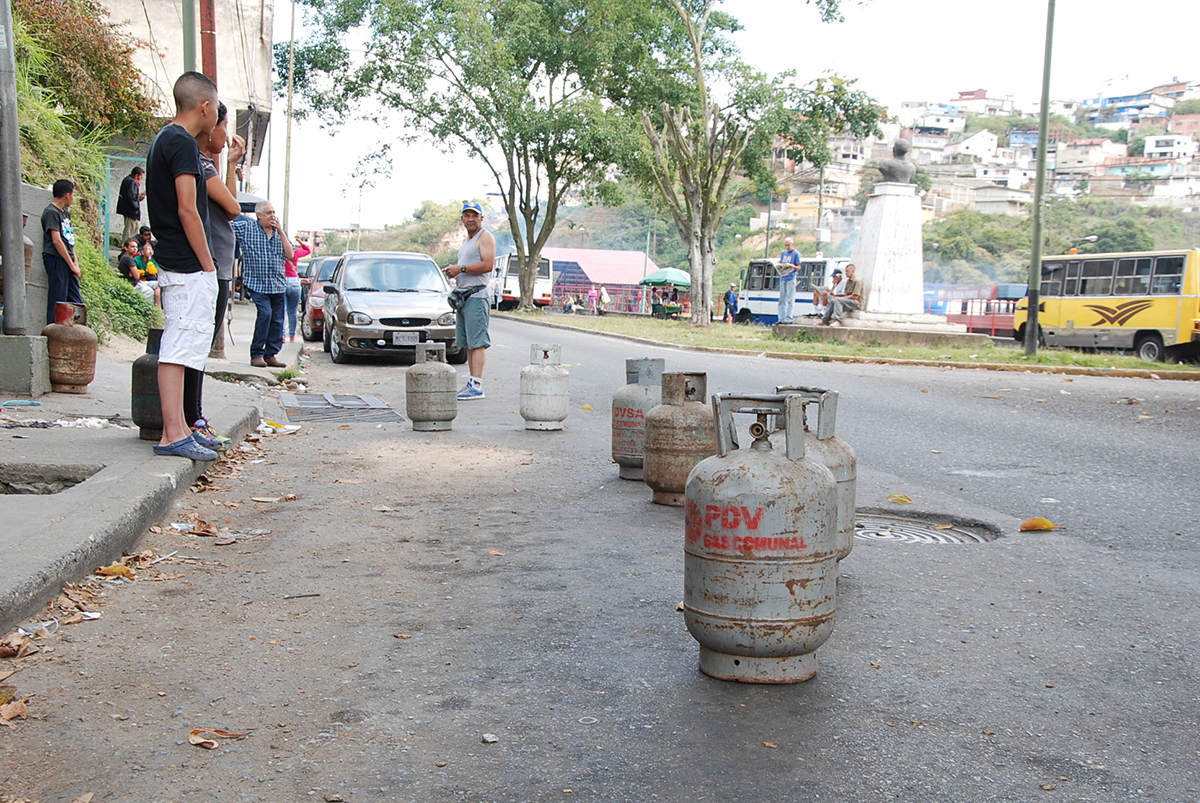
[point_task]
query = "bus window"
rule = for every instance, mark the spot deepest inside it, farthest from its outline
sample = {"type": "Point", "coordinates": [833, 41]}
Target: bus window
{"type": "Point", "coordinates": [1052, 278]}
{"type": "Point", "coordinates": [754, 278]}
{"type": "Point", "coordinates": [1133, 277]}
{"type": "Point", "coordinates": [810, 273]}
{"type": "Point", "coordinates": [1168, 273]}
{"type": "Point", "coordinates": [1096, 277]}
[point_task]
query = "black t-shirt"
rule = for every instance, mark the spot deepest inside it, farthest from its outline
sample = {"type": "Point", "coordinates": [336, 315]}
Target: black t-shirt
{"type": "Point", "coordinates": [174, 152]}
{"type": "Point", "coordinates": [127, 267]}
{"type": "Point", "coordinates": [59, 220]}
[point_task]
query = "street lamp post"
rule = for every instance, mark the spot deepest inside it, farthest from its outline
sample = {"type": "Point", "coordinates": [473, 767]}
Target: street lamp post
{"type": "Point", "coordinates": [1034, 293]}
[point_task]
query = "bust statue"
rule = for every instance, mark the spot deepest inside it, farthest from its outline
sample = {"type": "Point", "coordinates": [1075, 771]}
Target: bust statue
{"type": "Point", "coordinates": [898, 169]}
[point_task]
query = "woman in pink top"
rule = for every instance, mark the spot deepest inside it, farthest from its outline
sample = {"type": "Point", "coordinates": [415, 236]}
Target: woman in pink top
{"type": "Point", "coordinates": [292, 298]}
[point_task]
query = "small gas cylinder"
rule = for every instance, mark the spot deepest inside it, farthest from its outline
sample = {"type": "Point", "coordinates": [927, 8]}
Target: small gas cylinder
{"type": "Point", "coordinates": [545, 389]}
{"type": "Point", "coordinates": [629, 407]}
{"type": "Point", "coordinates": [822, 444]}
{"type": "Point", "coordinates": [431, 395]}
{"type": "Point", "coordinates": [679, 434]}
{"type": "Point", "coordinates": [146, 406]}
{"type": "Point", "coordinates": [72, 349]}
{"type": "Point", "coordinates": [760, 555]}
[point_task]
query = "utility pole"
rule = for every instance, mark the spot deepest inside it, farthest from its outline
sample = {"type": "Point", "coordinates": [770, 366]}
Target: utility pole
{"type": "Point", "coordinates": [208, 39]}
{"type": "Point", "coordinates": [287, 157]}
{"type": "Point", "coordinates": [189, 35]}
{"type": "Point", "coordinates": [12, 243]}
{"type": "Point", "coordinates": [1034, 294]}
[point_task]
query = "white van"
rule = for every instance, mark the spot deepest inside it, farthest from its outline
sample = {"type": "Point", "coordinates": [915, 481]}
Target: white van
{"type": "Point", "coordinates": [758, 299]}
{"type": "Point", "coordinates": [506, 290]}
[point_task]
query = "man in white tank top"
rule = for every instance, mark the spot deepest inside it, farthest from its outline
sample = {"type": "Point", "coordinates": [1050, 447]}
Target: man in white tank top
{"type": "Point", "coordinates": [473, 271]}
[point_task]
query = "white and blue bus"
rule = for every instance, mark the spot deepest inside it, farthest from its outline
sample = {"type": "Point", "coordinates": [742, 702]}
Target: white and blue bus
{"type": "Point", "coordinates": [758, 299]}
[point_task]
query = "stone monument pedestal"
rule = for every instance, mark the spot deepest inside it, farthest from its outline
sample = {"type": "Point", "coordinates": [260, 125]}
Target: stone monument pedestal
{"type": "Point", "coordinates": [888, 258]}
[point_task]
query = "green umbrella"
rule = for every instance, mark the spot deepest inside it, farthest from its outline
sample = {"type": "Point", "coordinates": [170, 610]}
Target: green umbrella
{"type": "Point", "coordinates": [663, 276]}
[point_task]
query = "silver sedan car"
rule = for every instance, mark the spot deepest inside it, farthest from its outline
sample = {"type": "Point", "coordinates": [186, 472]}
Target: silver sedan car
{"type": "Point", "coordinates": [383, 302]}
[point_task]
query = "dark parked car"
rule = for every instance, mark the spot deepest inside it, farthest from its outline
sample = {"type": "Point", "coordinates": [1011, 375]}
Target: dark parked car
{"type": "Point", "coordinates": [382, 302]}
{"type": "Point", "coordinates": [312, 298]}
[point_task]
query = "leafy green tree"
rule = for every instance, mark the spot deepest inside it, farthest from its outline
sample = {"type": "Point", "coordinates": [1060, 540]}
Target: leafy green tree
{"type": "Point", "coordinates": [523, 86]}
{"type": "Point", "coordinates": [1126, 233]}
{"type": "Point", "coordinates": [697, 147]}
{"type": "Point", "coordinates": [1189, 106]}
{"type": "Point", "coordinates": [84, 62]}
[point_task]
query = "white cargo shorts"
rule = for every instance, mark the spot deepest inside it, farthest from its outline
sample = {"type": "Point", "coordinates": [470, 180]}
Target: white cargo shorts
{"type": "Point", "coordinates": [189, 302]}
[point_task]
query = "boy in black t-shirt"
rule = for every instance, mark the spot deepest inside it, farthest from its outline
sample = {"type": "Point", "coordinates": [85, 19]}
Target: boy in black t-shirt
{"type": "Point", "coordinates": [58, 249]}
{"type": "Point", "coordinates": [187, 280]}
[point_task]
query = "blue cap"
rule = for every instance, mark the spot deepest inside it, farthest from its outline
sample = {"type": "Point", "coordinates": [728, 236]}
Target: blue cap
{"type": "Point", "coordinates": [469, 206]}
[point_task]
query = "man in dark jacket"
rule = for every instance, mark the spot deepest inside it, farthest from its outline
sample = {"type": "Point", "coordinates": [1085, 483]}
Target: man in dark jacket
{"type": "Point", "coordinates": [129, 202]}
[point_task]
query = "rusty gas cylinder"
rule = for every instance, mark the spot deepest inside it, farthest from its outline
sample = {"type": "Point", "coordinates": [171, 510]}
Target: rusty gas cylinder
{"type": "Point", "coordinates": [431, 395]}
{"type": "Point", "coordinates": [760, 556]}
{"type": "Point", "coordinates": [630, 405]}
{"type": "Point", "coordinates": [72, 349]}
{"type": "Point", "coordinates": [679, 434]}
{"type": "Point", "coordinates": [821, 443]}
{"type": "Point", "coordinates": [545, 390]}
{"type": "Point", "coordinates": [146, 409]}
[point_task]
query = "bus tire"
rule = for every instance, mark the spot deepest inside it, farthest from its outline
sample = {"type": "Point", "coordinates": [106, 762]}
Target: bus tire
{"type": "Point", "coordinates": [1019, 334]}
{"type": "Point", "coordinates": [506, 306]}
{"type": "Point", "coordinates": [744, 316]}
{"type": "Point", "coordinates": [1149, 347]}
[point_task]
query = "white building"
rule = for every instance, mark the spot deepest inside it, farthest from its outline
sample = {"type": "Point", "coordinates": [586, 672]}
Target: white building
{"type": "Point", "coordinates": [1084, 156]}
{"type": "Point", "coordinates": [979, 146]}
{"type": "Point", "coordinates": [1180, 147]}
{"type": "Point", "coordinates": [977, 101]}
{"type": "Point", "coordinates": [997, 200]}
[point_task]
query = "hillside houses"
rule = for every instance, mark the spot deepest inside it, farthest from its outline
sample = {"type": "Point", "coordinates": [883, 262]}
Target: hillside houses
{"type": "Point", "coordinates": [992, 168]}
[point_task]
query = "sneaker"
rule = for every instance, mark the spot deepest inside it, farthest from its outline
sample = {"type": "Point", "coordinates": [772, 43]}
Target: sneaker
{"type": "Point", "coordinates": [207, 437]}
{"type": "Point", "coordinates": [186, 448]}
{"type": "Point", "coordinates": [470, 392]}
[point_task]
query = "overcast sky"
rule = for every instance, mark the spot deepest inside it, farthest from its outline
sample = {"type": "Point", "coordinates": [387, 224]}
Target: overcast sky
{"type": "Point", "coordinates": [899, 50]}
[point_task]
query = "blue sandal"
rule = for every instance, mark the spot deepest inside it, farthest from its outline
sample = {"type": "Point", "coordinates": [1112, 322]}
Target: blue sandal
{"type": "Point", "coordinates": [186, 448]}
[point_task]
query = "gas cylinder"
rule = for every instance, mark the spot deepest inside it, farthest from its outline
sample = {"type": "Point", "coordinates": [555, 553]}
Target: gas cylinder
{"type": "Point", "coordinates": [72, 349]}
{"type": "Point", "coordinates": [629, 407]}
{"type": "Point", "coordinates": [760, 555]}
{"type": "Point", "coordinates": [679, 434]}
{"type": "Point", "coordinates": [545, 389]}
{"type": "Point", "coordinates": [146, 406]}
{"type": "Point", "coordinates": [822, 444]}
{"type": "Point", "coordinates": [430, 386]}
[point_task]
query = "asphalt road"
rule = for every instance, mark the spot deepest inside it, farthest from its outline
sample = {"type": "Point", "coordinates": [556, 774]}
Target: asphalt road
{"type": "Point", "coordinates": [490, 580]}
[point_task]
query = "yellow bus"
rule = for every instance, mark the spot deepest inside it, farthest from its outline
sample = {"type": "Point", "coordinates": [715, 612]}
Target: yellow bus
{"type": "Point", "coordinates": [1144, 301]}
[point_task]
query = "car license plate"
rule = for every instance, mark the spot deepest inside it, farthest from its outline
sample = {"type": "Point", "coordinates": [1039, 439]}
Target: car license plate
{"type": "Point", "coordinates": [405, 338]}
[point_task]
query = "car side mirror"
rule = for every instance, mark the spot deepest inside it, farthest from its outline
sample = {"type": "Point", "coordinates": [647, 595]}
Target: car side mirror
{"type": "Point", "coordinates": [330, 288]}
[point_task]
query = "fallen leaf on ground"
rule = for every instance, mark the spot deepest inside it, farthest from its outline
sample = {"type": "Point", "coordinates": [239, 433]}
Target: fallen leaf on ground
{"type": "Point", "coordinates": [496, 554]}
{"type": "Point", "coordinates": [899, 499]}
{"type": "Point", "coordinates": [988, 732]}
{"type": "Point", "coordinates": [1049, 787]}
{"type": "Point", "coordinates": [17, 708]}
{"type": "Point", "coordinates": [1037, 525]}
{"type": "Point", "coordinates": [155, 529]}
{"type": "Point", "coordinates": [586, 407]}
{"type": "Point", "coordinates": [115, 570]}
{"type": "Point", "coordinates": [8, 674]}
{"type": "Point", "coordinates": [770, 744]}
{"type": "Point", "coordinates": [266, 498]}
{"type": "Point", "coordinates": [84, 798]}
{"type": "Point", "coordinates": [401, 635]}
{"type": "Point", "coordinates": [7, 693]}
{"type": "Point", "coordinates": [290, 498]}
{"type": "Point", "coordinates": [679, 607]}
{"type": "Point", "coordinates": [225, 541]}
{"type": "Point", "coordinates": [943, 526]}
{"type": "Point", "coordinates": [876, 666]}
{"type": "Point", "coordinates": [200, 738]}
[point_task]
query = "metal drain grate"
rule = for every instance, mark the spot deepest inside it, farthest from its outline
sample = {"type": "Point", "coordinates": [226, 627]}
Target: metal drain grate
{"type": "Point", "coordinates": [907, 531]}
{"type": "Point", "coordinates": [336, 408]}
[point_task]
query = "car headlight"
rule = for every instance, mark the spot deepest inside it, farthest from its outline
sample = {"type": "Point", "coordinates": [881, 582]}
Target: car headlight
{"type": "Point", "coordinates": [316, 302]}
{"type": "Point", "coordinates": [358, 319]}
{"type": "Point", "coordinates": [447, 319]}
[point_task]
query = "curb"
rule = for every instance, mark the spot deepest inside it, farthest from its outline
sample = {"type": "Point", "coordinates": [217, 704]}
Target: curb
{"type": "Point", "coordinates": [109, 535]}
{"type": "Point", "coordinates": [1070, 370]}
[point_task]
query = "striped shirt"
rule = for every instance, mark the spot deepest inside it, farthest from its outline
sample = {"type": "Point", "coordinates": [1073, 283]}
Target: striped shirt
{"type": "Point", "coordinates": [262, 257]}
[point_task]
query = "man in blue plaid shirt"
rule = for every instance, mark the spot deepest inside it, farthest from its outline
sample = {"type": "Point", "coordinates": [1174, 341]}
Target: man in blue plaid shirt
{"type": "Point", "coordinates": [264, 248]}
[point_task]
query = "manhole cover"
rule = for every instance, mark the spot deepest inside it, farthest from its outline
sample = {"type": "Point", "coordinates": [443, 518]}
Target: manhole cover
{"type": "Point", "coordinates": [336, 407]}
{"type": "Point", "coordinates": [907, 531]}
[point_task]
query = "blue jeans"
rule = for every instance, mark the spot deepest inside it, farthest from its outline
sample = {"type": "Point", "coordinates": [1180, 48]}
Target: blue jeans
{"type": "Point", "coordinates": [292, 302]}
{"type": "Point", "coordinates": [268, 325]}
{"type": "Point", "coordinates": [787, 298]}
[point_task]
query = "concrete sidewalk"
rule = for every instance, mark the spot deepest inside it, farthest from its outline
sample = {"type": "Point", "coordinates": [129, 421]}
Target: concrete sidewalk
{"type": "Point", "coordinates": [49, 539]}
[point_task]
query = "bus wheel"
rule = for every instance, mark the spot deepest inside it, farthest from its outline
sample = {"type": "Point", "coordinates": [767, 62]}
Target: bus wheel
{"type": "Point", "coordinates": [745, 316]}
{"type": "Point", "coordinates": [1149, 347]}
